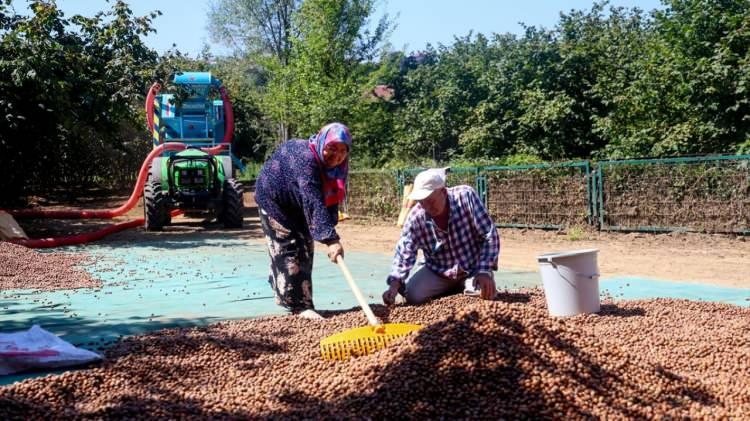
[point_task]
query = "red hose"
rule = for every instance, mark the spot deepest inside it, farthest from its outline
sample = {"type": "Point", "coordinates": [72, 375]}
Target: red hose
{"type": "Point", "coordinates": [107, 213]}
{"type": "Point", "coordinates": [228, 116]}
{"type": "Point", "coordinates": [133, 199]}
{"type": "Point", "coordinates": [81, 238]}
{"type": "Point", "coordinates": [155, 88]}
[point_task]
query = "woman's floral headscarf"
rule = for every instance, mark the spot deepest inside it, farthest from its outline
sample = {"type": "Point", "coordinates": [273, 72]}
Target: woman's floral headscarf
{"type": "Point", "coordinates": [334, 179]}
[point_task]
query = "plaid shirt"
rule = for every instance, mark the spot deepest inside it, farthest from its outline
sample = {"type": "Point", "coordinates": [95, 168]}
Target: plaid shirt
{"type": "Point", "coordinates": [470, 246]}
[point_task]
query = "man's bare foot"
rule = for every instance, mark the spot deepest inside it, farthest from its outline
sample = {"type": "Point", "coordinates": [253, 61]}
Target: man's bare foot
{"type": "Point", "coordinates": [310, 314]}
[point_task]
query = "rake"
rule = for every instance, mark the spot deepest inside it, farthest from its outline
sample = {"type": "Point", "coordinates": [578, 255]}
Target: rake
{"type": "Point", "coordinates": [362, 340]}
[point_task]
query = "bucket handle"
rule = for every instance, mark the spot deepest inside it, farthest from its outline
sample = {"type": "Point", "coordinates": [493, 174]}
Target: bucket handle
{"type": "Point", "coordinates": [578, 274]}
{"type": "Point", "coordinates": [592, 276]}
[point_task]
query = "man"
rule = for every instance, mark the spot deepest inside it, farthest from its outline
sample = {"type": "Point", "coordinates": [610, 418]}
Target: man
{"type": "Point", "coordinates": [457, 237]}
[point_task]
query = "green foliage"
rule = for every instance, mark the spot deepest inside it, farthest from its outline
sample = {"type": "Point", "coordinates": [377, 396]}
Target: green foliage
{"type": "Point", "coordinates": [575, 233]}
{"type": "Point", "coordinates": [689, 90]}
{"type": "Point", "coordinates": [255, 27]}
{"type": "Point", "coordinates": [520, 159]}
{"type": "Point", "coordinates": [251, 171]}
{"type": "Point", "coordinates": [536, 94]}
{"type": "Point", "coordinates": [71, 94]}
{"type": "Point", "coordinates": [437, 94]}
{"type": "Point", "coordinates": [326, 77]}
{"type": "Point", "coordinates": [253, 131]}
{"type": "Point", "coordinates": [603, 83]}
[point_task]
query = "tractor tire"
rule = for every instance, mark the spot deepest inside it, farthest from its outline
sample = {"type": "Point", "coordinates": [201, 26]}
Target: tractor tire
{"type": "Point", "coordinates": [155, 211]}
{"type": "Point", "coordinates": [231, 212]}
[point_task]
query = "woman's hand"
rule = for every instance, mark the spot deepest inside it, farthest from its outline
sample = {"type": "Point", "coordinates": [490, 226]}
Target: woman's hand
{"type": "Point", "coordinates": [335, 249]}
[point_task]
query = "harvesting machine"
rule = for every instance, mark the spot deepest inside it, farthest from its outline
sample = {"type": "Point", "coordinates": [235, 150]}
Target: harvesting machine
{"type": "Point", "coordinates": [199, 180]}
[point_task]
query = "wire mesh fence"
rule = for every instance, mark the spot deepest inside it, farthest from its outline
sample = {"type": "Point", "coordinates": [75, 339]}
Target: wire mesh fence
{"type": "Point", "coordinates": [539, 196]}
{"type": "Point", "coordinates": [706, 194]}
{"type": "Point", "coordinates": [455, 176]}
{"type": "Point", "coordinates": [374, 195]}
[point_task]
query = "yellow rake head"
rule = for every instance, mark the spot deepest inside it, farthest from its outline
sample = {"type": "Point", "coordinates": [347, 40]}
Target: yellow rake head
{"type": "Point", "coordinates": [363, 340]}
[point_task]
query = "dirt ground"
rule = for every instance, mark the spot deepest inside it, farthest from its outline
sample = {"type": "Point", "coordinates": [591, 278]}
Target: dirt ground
{"type": "Point", "coordinates": [716, 259]}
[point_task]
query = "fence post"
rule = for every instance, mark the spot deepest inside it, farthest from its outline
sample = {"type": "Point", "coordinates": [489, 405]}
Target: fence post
{"type": "Point", "coordinates": [594, 197]}
{"type": "Point", "coordinates": [600, 191]}
{"type": "Point", "coordinates": [482, 183]}
{"type": "Point", "coordinates": [399, 183]}
{"type": "Point", "coordinates": [587, 177]}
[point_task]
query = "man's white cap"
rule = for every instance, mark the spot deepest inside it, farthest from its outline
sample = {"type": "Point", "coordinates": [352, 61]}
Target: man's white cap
{"type": "Point", "coordinates": [427, 182]}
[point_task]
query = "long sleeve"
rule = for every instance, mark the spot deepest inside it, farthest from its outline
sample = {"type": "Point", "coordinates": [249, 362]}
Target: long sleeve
{"type": "Point", "coordinates": [485, 227]}
{"type": "Point", "coordinates": [320, 219]}
{"type": "Point", "coordinates": [406, 254]}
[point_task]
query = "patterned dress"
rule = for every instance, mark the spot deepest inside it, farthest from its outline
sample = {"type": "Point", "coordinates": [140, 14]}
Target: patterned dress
{"type": "Point", "coordinates": [288, 191]}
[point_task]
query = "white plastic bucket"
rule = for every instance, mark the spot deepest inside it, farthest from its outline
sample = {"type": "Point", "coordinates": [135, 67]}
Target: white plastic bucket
{"type": "Point", "coordinates": [571, 282]}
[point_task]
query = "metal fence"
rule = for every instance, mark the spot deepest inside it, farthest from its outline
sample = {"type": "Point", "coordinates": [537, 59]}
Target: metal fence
{"type": "Point", "coordinates": [456, 176]}
{"type": "Point", "coordinates": [707, 194]}
{"type": "Point", "coordinates": [538, 196]}
{"type": "Point", "coordinates": [374, 195]}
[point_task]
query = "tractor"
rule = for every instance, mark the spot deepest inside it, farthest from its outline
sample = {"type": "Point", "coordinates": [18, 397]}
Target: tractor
{"type": "Point", "coordinates": [198, 180]}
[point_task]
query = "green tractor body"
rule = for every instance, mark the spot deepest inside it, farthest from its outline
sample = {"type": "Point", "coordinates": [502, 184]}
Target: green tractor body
{"type": "Point", "coordinates": [192, 181]}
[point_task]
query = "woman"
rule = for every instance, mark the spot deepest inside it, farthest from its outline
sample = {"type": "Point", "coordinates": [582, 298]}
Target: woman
{"type": "Point", "coordinates": [298, 191]}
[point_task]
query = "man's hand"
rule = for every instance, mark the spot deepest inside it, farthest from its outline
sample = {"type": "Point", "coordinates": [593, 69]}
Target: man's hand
{"type": "Point", "coordinates": [335, 249]}
{"type": "Point", "coordinates": [486, 285]}
{"type": "Point", "coordinates": [389, 296]}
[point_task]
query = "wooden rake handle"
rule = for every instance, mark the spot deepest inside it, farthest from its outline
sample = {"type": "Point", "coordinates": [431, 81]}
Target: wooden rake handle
{"type": "Point", "coordinates": [357, 292]}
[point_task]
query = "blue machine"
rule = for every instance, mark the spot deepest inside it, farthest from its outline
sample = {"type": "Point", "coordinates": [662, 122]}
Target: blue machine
{"type": "Point", "coordinates": [191, 116]}
{"type": "Point", "coordinates": [198, 119]}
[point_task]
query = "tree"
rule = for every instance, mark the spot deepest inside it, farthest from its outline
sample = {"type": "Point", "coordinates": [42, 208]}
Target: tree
{"type": "Point", "coordinates": [71, 93]}
{"type": "Point", "coordinates": [258, 30]}
{"type": "Point", "coordinates": [690, 95]}
{"type": "Point", "coordinates": [255, 27]}
{"type": "Point", "coordinates": [330, 66]}
{"type": "Point", "coordinates": [253, 131]}
{"type": "Point", "coordinates": [590, 57]}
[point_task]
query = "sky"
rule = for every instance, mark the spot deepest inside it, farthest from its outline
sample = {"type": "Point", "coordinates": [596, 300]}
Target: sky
{"type": "Point", "coordinates": [418, 22]}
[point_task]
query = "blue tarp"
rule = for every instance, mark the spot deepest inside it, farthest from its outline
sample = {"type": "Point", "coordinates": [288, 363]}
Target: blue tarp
{"type": "Point", "coordinates": [632, 288]}
{"type": "Point", "coordinates": [166, 283]}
